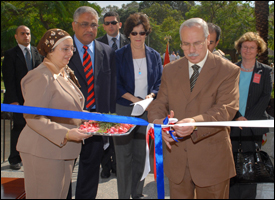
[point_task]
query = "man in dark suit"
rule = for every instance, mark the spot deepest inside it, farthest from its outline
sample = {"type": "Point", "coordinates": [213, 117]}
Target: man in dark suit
{"type": "Point", "coordinates": [116, 40]}
{"type": "Point", "coordinates": [112, 25]}
{"type": "Point", "coordinates": [102, 60]}
{"type": "Point", "coordinates": [16, 64]}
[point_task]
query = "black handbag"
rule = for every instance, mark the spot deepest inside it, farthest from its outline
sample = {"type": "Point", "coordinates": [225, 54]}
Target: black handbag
{"type": "Point", "coordinates": [252, 167]}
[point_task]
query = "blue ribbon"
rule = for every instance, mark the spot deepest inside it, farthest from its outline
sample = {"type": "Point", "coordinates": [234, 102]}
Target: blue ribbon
{"type": "Point", "coordinates": [159, 160]}
{"type": "Point", "coordinates": [100, 117]}
{"type": "Point", "coordinates": [73, 114]}
{"type": "Point", "coordinates": [166, 122]}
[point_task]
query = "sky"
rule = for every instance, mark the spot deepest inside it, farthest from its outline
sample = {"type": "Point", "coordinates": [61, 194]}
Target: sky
{"type": "Point", "coordinates": [113, 3]}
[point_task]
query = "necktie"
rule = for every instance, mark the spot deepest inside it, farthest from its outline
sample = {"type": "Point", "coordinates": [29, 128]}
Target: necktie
{"type": "Point", "coordinates": [88, 69]}
{"type": "Point", "coordinates": [194, 76]}
{"type": "Point", "coordinates": [28, 59]}
{"type": "Point", "coordinates": [114, 46]}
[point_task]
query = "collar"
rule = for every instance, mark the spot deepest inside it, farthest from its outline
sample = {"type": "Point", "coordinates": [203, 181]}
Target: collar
{"type": "Point", "coordinates": [111, 37]}
{"type": "Point", "coordinates": [201, 63]}
{"type": "Point", "coordinates": [53, 69]}
{"type": "Point", "coordinates": [79, 45]}
{"type": "Point", "coordinates": [22, 47]}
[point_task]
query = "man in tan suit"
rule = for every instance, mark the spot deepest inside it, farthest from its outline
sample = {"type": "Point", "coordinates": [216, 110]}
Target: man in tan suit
{"type": "Point", "coordinates": [201, 87]}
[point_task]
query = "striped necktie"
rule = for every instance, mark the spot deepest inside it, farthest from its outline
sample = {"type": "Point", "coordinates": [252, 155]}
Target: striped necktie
{"type": "Point", "coordinates": [88, 69]}
{"type": "Point", "coordinates": [114, 46]}
{"type": "Point", "coordinates": [194, 76]}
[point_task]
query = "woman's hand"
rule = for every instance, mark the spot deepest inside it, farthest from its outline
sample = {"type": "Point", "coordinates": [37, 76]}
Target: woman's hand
{"type": "Point", "coordinates": [152, 95]}
{"type": "Point", "coordinates": [77, 135]}
{"type": "Point", "coordinates": [241, 119]}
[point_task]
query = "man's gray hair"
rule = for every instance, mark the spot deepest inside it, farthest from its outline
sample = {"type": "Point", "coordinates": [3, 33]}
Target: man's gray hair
{"type": "Point", "coordinates": [193, 22]}
{"type": "Point", "coordinates": [84, 9]}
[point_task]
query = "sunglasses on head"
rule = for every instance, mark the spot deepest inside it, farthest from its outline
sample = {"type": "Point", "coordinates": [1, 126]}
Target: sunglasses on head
{"type": "Point", "coordinates": [141, 33]}
{"type": "Point", "coordinates": [112, 22]}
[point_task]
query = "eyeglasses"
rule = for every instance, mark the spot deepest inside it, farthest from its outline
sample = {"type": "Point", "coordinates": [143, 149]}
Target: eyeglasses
{"type": "Point", "coordinates": [85, 25]}
{"type": "Point", "coordinates": [68, 49]}
{"type": "Point", "coordinates": [196, 45]}
{"type": "Point", "coordinates": [141, 33]}
{"type": "Point", "coordinates": [250, 48]}
{"type": "Point", "coordinates": [112, 22]}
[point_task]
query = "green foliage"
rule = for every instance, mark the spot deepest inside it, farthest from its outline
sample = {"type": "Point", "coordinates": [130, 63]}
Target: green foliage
{"type": "Point", "coordinates": [160, 12]}
{"type": "Point", "coordinates": [180, 6]}
{"type": "Point", "coordinates": [234, 17]}
{"type": "Point", "coordinates": [164, 21]}
{"type": "Point", "coordinates": [39, 16]}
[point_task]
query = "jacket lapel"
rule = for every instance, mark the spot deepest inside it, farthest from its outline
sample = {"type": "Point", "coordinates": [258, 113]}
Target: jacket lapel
{"type": "Point", "coordinates": [76, 61]}
{"type": "Point", "coordinates": [70, 91]}
{"type": "Point", "coordinates": [98, 58]}
{"type": "Point", "coordinates": [105, 39]}
{"type": "Point", "coordinates": [183, 78]}
{"type": "Point", "coordinates": [130, 65]}
{"type": "Point", "coordinates": [123, 40]}
{"type": "Point", "coordinates": [150, 76]}
{"type": "Point", "coordinates": [20, 54]}
{"type": "Point", "coordinates": [33, 52]}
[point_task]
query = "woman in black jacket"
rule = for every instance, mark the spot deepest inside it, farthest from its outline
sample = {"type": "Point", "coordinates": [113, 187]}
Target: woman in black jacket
{"type": "Point", "coordinates": [255, 90]}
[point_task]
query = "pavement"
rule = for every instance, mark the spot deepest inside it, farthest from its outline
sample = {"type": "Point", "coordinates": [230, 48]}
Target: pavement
{"type": "Point", "coordinates": [107, 188]}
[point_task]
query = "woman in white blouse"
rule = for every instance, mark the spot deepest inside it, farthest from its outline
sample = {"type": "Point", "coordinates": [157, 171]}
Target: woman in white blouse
{"type": "Point", "coordinates": [139, 71]}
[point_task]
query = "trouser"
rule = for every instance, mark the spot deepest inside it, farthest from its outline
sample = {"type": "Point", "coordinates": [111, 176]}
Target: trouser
{"type": "Point", "coordinates": [46, 178]}
{"type": "Point", "coordinates": [188, 190]}
{"type": "Point", "coordinates": [88, 169]}
{"type": "Point", "coordinates": [18, 125]}
{"type": "Point", "coordinates": [243, 191]}
{"type": "Point", "coordinates": [108, 161]}
{"type": "Point", "coordinates": [130, 156]}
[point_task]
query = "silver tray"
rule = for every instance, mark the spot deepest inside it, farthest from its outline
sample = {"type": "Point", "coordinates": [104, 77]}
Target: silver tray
{"type": "Point", "coordinates": [112, 134]}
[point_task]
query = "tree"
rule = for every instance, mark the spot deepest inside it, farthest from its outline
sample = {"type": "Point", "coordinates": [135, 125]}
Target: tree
{"type": "Point", "coordinates": [261, 14]}
{"type": "Point", "coordinates": [181, 6]}
{"type": "Point", "coordinates": [234, 18]}
{"type": "Point", "coordinates": [160, 12]}
{"type": "Point", "coordinates": [126, 10]}
{"type": "Point", "coordinates": [39, 16]}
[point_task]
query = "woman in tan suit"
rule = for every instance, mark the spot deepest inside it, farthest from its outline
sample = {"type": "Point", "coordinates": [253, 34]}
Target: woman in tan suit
{"type": "Point", "coordinates": [48, 146]}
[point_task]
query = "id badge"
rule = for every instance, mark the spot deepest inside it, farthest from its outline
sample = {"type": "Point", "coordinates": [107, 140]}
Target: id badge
{"type": "Point", "coordinates": [257, 78]}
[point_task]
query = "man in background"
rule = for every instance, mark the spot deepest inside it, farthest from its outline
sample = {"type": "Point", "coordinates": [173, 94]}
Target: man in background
{"type": "Point", "coordinates": [215, 34]}
{"type": "Point", "coordinates": [116, 40]}
{"type": "Point", "coordinates": [16, 64]}
{"type": "Point", "coordinates": [112, 24]}
{"type": "Point", "coordinates": [173, 56]}
{"type": "Point", "coordinates": [93, 64]}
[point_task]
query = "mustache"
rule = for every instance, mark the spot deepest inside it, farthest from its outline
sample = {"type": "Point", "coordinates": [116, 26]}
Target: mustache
{"type": "Point", "coordinates": [193, 54]}
{"type": "Point", "coordinates": [89, 33]}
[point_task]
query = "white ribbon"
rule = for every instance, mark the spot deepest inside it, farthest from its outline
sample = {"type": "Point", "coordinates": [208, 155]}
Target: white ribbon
{"type": "Point", "coordinates": [249, 123]}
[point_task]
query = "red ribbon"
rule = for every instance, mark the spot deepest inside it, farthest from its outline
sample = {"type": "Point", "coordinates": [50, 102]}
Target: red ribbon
{"type": "Point", "coordinates": [152, 135]}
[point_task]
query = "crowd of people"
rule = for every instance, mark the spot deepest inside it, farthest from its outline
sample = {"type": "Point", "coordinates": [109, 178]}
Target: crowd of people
{"type": "Point", "coordinates": [106, 75]}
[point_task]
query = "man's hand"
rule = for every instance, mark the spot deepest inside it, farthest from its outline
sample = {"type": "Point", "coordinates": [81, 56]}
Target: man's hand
{"type": "Point", "coordinates": [167, 137]}
{"type": "Point", "coordinates": [183, 131]}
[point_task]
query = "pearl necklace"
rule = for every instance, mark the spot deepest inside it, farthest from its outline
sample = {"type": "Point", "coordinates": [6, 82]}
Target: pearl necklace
{"type": "Point", "coordinates": [245, 69]}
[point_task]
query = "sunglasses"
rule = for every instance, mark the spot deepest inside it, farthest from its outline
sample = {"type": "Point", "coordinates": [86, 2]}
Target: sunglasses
{"type": "Point", "coordinates": [112, 22]}
{"type": "Point", "coordinates": [141, 33]}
